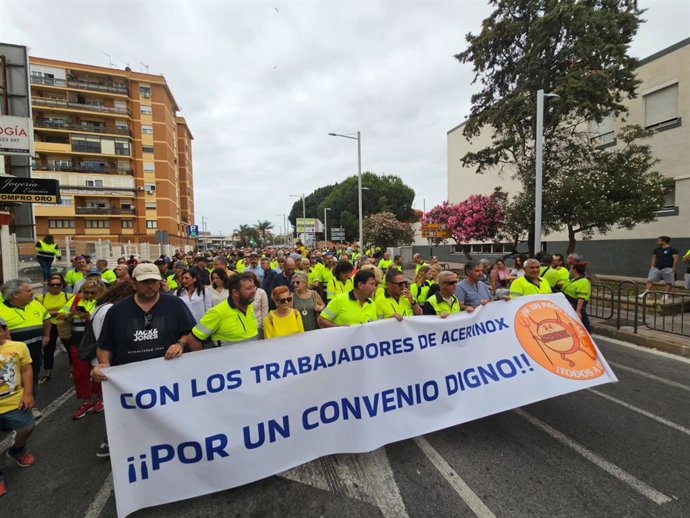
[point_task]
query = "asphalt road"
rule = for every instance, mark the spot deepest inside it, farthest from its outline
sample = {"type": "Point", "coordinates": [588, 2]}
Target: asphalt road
{"type": "Point", "coordinates": [617, 450]}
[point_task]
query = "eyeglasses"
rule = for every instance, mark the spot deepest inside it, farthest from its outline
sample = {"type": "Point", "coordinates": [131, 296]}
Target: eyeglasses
{"type": "Point", "coordinates": [148, 322]}
{"type": "Point", "coordinates": [450, 283]}
{"type": "Point", "coordinates": [53, 285]}
{"type": "Point", "coordinates": [401, 284]}
{"type": "Point", "coordinates": [285, 300]}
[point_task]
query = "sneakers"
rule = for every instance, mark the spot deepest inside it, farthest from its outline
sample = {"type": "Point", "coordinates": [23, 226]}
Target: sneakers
{"type": "Point", "coordinates": [3, 488]}
{"type": "Point", "coordinates": [103, 450]}
{"type": "Point", "coordinates": [98, 406]}
{"type": "Point", "coordinates": [641, 295]}
{"type": "Point", "coordinates": [23, 459]}
{"type": "Point", "coordinates": [85, 408]}
{"type": "Point", "coordinates": [36, 413]}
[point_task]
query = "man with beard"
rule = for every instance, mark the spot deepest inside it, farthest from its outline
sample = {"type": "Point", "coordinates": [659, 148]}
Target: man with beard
{"type": "Point", "coordinates": [231, 321]}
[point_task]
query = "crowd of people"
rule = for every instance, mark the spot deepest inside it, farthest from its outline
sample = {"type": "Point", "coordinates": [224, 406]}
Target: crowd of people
{"type": "Point", "coordinates": [192, 301]}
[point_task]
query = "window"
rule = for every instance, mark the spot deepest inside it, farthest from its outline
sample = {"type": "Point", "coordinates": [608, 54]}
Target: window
{"type": "Point", "coordinates": [151, 223]}
{"type": "Point", "coordinates": [86, 145]}
{"type": "Point", "coordinates": [670, 198]}
{"type": "Point", "coordinates": [66, 201]}
{"type": "Point", "coordinates": [94, 183]}
{"type": "Point", "coordinates": [96, 223]}
{"type": "Point", "coordinates": [151, 205]}
{"type": "Point", "coordinates": [61, 223]}
{"type": "Point", "coordinates": [147, 129]}
{"type": "Point", "coordinates": [121, 125]}
{"type": "Point", "coordinates": [92, 165]}
{"type": "Point", "coordinates": [602, 133]}
{"type": "Point", "coordinates": [121, 148]}
{"type": "Point", "coordinates": [55, 164]}
{"type": "Point", "coordinates": [661, 107]}
{"type": "Point", "coordinates": [145, 91]}
{"type": "Point", "coordinates": [149, 167]}
{"type": "Point", "coordinates": [146, 109]}
{"type": "Point", "coordinates": [147, 149]}
{"type": "Point", "coordinates": [127, 223]}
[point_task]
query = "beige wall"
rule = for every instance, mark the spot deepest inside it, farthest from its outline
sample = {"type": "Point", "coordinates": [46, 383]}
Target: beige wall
{"type": "Point", "coordinates": [670, 146]}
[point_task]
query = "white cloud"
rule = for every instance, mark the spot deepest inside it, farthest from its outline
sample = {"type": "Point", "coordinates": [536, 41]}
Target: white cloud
{"type": "Point", "coordinates": [262, 83]}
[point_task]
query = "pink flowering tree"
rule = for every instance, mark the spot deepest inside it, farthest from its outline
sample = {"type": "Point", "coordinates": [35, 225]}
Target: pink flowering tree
{"type": "Point", "coordinates": [478, 218]}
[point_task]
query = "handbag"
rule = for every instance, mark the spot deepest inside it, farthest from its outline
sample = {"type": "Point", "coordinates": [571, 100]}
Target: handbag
{"type": "Point", "coordinates": [64, 327]}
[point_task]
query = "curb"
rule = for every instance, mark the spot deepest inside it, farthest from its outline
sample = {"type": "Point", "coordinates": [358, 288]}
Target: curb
{"type": "Point", "coordinates": [642, 340]}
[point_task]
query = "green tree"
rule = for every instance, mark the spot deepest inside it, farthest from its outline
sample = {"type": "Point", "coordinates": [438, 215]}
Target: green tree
{"type": "Point", "coordinates": [384, 230]}
{"type": "Point", "coordinates": [262, 229]}
{"type": "Point", "coordinates": [245, 235]}
{"type": "Point", "coordinates": [380, 193]}
{"type": "Point", "coordinates": [574, 48]}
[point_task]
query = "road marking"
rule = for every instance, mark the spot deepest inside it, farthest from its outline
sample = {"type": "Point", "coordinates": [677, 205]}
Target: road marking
{"type": "Point", "coordinates": [670, 383]}
{"type": "Point", "coordinates": [640, 348]}
{"type": "Point", "coordinates": [367, 477]}
{"type": "Point", "coordinates": [101, 498]}
{"type": "Point", "coordinates": [657, 418]}
{"type": "Point", "coordinates": [9, 440]}
{"type": "Point", "coordinates": [478, 507]}
{"type": "Point", "coordinates": [641, 487]}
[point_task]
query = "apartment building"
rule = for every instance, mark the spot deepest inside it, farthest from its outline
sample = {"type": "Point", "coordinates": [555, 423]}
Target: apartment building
{"type": "Point", "coordinates": [662, 104]}
{"type": "Point", "coordinates": [122, 155]}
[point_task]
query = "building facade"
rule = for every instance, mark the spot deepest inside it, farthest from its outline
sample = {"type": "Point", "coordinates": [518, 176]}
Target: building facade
{"type": "Point", "coordinates": [662, 104]}
{"type": "Point", "coordinates": [122, 155]}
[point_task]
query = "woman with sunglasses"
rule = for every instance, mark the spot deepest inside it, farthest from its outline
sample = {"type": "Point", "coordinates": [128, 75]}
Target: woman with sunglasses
{"type": "Point", "coordinates": [193, 294]}
{"type": "Point", "coordinates": [284, 320]}
{"type": "Point", "coordinates": [80, 312]}
{"type": "Point", "coordinates": [307, 301]}
{"type": "Point", "coordinates": [53, 300]}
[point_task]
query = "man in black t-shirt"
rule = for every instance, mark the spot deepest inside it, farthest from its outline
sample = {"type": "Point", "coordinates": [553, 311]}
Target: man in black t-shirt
{"type": "Point", "coordinates": [146, 325]}
{"type": "Point", "coordinates": [664, 263]}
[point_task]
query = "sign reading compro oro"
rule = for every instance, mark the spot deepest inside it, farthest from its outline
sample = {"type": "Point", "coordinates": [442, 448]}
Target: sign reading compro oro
{"type": "Point", "coordinates": [16, 135]}
{"type": "Point", "coordinates": [29, 190]}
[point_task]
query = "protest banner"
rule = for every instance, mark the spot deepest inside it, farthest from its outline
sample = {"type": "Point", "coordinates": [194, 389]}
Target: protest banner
{"type": "Point", "coordinates": [217, 419]}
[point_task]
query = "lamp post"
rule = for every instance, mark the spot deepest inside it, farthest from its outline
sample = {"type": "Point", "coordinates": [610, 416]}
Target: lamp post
{"type": "Point", "coordinates": [304, 217]}
{"type": "Point", "coordinates": [358, 138]}
{"type": "Point", "coordinates": [325, 225]}
{"type": "Point", "coordinates": [539, 151]}
{"type": "Point", "coordinates": [284, 228]}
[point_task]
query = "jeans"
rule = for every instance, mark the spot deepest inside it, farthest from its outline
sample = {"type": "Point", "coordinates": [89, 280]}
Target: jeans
{"type": "Point", "coordinates": [46, 266]}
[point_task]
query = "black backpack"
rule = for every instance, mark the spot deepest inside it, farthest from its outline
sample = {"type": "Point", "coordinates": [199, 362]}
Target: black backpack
{"type": "Point", "coordinates": [87, 344]}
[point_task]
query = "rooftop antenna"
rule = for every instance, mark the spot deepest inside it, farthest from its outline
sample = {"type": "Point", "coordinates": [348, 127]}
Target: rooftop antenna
{"type": "Point", "coordinates": [110, 60]}
{"type": "Point", "coordinates": [145, 66]}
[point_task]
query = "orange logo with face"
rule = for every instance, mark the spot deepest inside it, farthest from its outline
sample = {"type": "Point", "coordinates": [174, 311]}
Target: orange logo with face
{"type": "Point", "coordinates": [556, 341]}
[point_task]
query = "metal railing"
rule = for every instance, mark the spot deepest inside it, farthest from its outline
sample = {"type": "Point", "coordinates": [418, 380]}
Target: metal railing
{"type": "Point", "coordinates": [64, 103]}
{"type": "Point", "coordinates": [666, 312]}
{"type": "Point", "coordinates": [102, 210]}
{"type": "Point", "coordinates": [655, 310]}
{"type": "Point", "coordinates": [82, 169]}
{"type": "Point", "coordinates": [80, 84]}
{"type": "Point", "coordinates": [51, 124]}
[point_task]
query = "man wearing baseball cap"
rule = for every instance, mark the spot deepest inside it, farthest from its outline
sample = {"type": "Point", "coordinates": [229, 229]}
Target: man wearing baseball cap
{"type": "Point", "coordinates": [146, 325]}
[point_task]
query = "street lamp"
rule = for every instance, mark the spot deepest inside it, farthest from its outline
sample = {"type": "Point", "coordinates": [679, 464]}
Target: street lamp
{"type": "Point", "coordinates": [539, 145]}
{"type": "Point", "coordinates": [358, 138]}
{"type": "Point", "coordinates": [284, 227]}
{"type": "Point", "coordinates": [325, 225]}
{"type": "Point", "coordinates": [304, 217]}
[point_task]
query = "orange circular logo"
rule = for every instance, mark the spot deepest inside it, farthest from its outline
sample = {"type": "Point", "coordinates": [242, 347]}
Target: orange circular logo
{"type": "Point", "coordinates": [556, 341]}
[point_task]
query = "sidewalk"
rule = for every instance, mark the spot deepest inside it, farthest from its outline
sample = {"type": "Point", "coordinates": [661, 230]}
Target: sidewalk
{"type": "Point", "coordinates": [667, 342]}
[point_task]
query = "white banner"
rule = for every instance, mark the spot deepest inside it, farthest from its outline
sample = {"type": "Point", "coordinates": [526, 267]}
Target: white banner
{"type": "Point", "coordinates": [16, 135]}
{"type": "Point", "coordinates": [220, 418]}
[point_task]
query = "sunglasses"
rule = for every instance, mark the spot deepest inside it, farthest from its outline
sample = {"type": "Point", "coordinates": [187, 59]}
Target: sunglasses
{"type": "Point", "coordinates": [285, 300]}
{"type": "Point", "coordinates": [401, 284]}
{"type": "Point", "coordinates": [451, 283]}
{"type": "Point", "coordinates": [53, 285]}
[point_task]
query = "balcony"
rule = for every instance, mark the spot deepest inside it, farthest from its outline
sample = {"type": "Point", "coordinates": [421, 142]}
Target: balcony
{"type": "Point", "coordinates": [103, 210]}
{"type": "Point", "coordinates": [86, 128]}
{"type": "Point", "coordinates": [80, 84]}
{"type": "Point", "coordinates": [82, 169]}
{"type": "Point", "coordinates": [64, 103]}
{"type": "Point", "coordinates": [52, 147]}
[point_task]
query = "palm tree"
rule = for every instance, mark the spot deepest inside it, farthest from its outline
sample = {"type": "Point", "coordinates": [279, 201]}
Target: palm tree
{"type": "Point", "coordinates": [262, 227]}
{"type": "Point", "coordinates": [245, 234]}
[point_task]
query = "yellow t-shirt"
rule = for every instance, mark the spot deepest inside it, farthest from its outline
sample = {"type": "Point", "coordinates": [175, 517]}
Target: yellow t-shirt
{"type": "Point", "coordinates": [276, 325]}
{"type": "Point", "coordinates": [13, 356]}
{"type": "Point", "coordinates": [54, 303]}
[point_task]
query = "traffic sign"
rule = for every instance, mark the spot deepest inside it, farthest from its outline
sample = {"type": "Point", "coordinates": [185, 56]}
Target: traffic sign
{"type": "Point", "coordinates": [193, 230]}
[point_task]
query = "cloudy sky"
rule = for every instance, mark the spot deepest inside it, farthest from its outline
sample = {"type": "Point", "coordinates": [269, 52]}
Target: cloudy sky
{"type": "Point", "coordinates": [262, 83]}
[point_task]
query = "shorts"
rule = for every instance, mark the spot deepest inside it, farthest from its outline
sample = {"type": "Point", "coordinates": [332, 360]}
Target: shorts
{"type": "Point", "coordinates": [666, 275]}
{"type": "Point", "coordinates": [16, 419]}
